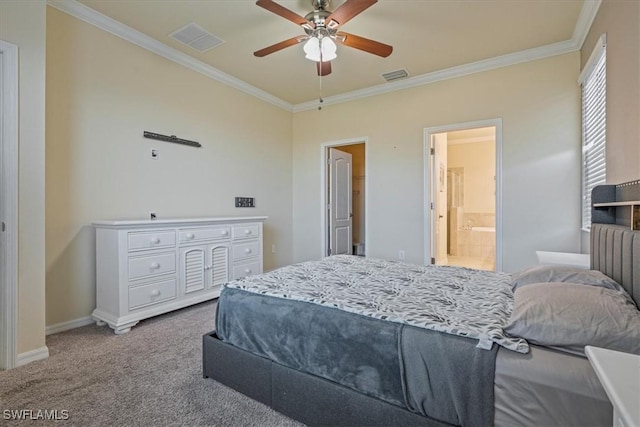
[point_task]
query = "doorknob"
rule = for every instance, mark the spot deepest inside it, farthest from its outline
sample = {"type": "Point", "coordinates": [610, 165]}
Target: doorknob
{"type": "Point", "coordinates": [440, 216]}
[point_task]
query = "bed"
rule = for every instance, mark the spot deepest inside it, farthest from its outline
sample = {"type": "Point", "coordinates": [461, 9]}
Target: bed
{"type": "Point", "coordinates": [310, 355]}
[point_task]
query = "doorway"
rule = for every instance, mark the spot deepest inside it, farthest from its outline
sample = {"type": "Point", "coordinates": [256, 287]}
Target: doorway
{"type": "Point", "coordinates": [344, 195]}
{"type": "Point", "coordinates": [8, 204]}
{"type": "Point", "coordinates": [463, 195]}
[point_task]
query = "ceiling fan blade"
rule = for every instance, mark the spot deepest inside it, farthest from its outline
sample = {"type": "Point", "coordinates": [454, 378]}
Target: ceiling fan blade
{"type": "Point", "coordinates": [364, 44]}
{"type": "Point", "coordinates": [324, 68]}
{"type": "Point", "coordinates": [348, 10]}
{"type": "Point", "coordinates": [279, 46]}
{"type": "Point", "coordinates": [282, 11]}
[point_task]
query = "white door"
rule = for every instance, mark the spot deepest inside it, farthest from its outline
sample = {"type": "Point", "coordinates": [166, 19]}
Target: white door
{"type": "Point", "coordinates": [8, 203]}
{"type": "Point", "coordinates": [439, 197]}
{"type": "Point", "coordinates": [192, 268]}
{"type": "Point", "coordinates": [340, 213]}
{"type": "Point", "coordinates": [3, 292]}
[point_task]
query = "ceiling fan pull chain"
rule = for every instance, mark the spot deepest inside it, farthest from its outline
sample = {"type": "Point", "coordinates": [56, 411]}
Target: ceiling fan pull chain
{"type": "Point", "coordinates": [320, 100]}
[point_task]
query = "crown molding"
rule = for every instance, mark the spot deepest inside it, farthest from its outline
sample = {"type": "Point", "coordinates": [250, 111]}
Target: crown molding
{"type": "Point", "coordinates": [93, 17]}
{"type": "Point", "coordinates": [446, 74]}
{"type": "Point", "coordinates": [585, 20]}
{"type": "Point", "coordinates": [97, 19]}
{"type": "Point", "coordinates": [583, 24]}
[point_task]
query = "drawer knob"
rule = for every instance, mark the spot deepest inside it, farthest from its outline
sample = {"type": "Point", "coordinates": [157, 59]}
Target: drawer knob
{"type": "Point", "coordinates": [247, 232]}
{"type": "Point", "coordinates": [190, 235]}
{"type": "Point", "coordinates": [247, 270]}
{"type": "Point", "coordinates": [155, 293]}
{"type": "Point", "coordinates": [224, 232]}
{"type": "Point", "coordinates": [155, 240]}
{"type": "Point", "coordinates": [155, 265]}
{"type": "Point", "coordinates": [247, 251]}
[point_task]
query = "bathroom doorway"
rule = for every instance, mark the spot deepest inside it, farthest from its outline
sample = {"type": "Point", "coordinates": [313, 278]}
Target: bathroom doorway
{"type": "Point", "coordinates": [463, 195]}
{"type": "Point", "coordinates": [344, 198]}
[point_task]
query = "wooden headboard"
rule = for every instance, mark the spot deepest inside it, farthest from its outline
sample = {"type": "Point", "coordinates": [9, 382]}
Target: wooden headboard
{"type": "Point", "coordinates": [615, 234]}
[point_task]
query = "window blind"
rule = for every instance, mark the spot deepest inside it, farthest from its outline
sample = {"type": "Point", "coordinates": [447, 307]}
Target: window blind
{"type": "Point", "coordinates": [594, 85]}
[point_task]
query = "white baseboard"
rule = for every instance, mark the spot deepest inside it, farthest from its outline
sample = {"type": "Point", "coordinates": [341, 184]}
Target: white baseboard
{"type": "Point", "coordinates": [71, 324]}
{"type": "Point", "coordinates": [32, 356]}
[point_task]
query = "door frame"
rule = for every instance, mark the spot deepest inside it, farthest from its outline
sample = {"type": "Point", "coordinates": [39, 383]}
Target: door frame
{"type": "Point", "coordinates": [9, 170]}
{"type": "Point", "coordinates": [497, 123]}
{"type": "Point", "coordinates": [324, 196]}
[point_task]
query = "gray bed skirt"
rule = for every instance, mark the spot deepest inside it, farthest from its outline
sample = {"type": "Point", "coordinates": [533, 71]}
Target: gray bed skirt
{"type": "Point", "coordinates": [301, 396]}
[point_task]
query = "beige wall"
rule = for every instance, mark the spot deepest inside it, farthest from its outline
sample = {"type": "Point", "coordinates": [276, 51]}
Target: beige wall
{"type": "Point", "coordinates": [357, 152]}
{"type": "Point", "coordinates": [479, 162]}
{"type": "Point", "coordinates": [22, 23]}
{"type": "Point", "coordinates": [102, 93]}
{"type": "Point", "coordinates": [540, 110]}
{"type": "Point", "coordinates": [620, 19]}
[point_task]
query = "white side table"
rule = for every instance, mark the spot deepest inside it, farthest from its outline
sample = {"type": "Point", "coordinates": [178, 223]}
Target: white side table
{"type": "Point", "coordinates": [619, 374]}
{"type": "Point", "coordinates": [564, 258]}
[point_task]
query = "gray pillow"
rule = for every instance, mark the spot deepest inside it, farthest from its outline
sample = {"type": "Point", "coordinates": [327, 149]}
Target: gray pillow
{"type": "Point", "coordinates": [568, 316]}
{"type": "Point", "coordinates": [562, 273]}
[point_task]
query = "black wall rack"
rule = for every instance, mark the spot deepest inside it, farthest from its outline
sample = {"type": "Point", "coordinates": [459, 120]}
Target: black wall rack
{"type": "Point", "coordinates": [171, 138]}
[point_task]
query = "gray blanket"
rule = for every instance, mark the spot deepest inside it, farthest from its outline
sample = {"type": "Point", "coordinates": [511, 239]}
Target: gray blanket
{"type": "Point", "coordinates": [447, 377]}
{"type": "Point", "coordinates": [441, 376]}
{"type": "Point", "coordinates": [459, 301]}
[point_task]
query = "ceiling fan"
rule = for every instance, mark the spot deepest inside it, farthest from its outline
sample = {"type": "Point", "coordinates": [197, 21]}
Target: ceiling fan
{"type": "Point", "coordinates": [321, 31]}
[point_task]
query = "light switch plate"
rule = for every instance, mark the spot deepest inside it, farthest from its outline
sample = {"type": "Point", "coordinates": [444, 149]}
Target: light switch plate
{"type": "Point", "coordinates": [245, 202]}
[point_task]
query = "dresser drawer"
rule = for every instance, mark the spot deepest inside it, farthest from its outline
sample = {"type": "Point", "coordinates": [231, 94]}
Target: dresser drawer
{"type": "Point", "coordinates": [199, 234]}
{"type": "Point", "coordinates": [244, 270]}
{"type": "Point", "coordinates": [153, 293]}
{"type": "Point", "coordinates": [151, 239]}
{"type": "Point", "coordinates": [245, 231]}
{"type": "Point", "coordinates": [245, 250]}
{"type": "Point", "coordinates": [151, 265]}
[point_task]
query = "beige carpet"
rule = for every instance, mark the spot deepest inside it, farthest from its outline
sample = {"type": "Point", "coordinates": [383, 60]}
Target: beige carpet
{"type": "Point", "coordinates": [151, 376]}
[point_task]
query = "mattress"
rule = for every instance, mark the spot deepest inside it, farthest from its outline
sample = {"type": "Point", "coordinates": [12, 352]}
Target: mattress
{"type": "Point", "coordinates": [548, 388]}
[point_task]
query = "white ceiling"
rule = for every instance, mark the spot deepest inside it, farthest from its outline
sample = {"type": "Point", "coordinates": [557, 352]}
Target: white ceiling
{"type": "Point", "coordinates": [426, 35]}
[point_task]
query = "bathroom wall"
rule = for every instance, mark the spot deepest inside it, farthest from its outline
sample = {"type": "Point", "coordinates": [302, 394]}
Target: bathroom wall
{"type": "Point", "coordinates": [479, 164]}
{"type": "Point", "coordinates": [477, 161]}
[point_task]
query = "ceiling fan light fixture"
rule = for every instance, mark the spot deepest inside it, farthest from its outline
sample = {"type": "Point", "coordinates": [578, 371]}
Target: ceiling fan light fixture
{"type": "Point", "coordinates": [320, 48]}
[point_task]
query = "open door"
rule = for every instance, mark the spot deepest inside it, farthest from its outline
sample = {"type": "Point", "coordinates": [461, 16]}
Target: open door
{"type": "Point", "coordinates": [462, 185]}
{"type": "Point", "coordinates": [340, 213]}
{"type": "Point", "coordinates": [439, 198]}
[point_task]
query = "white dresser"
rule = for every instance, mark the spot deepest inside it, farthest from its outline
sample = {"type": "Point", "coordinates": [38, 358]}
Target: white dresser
{"type": "Point", "coordinates": [148, 267]}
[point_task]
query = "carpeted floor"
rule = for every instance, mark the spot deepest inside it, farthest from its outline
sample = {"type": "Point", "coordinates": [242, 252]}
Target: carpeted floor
{"type": "Point", "coordinates": [151, 376]}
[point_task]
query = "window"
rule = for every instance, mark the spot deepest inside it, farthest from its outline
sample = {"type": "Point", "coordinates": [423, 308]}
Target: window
{"type": "Point", "coordinates": [593, 81]}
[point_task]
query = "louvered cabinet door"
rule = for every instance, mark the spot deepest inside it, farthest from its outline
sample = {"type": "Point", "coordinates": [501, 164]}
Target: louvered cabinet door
{"type": "Point", "coordinates": [192, 266]}
{"type": "Point", "coordinates": [219, 265]}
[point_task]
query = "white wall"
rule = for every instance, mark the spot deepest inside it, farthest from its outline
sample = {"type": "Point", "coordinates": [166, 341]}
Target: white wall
{"type": "Point", "coordinates": [22, 23]}
{"type": "Point", "coordinates": [102, 93]}
{"type": "Point", "coordinates": [539, 105]}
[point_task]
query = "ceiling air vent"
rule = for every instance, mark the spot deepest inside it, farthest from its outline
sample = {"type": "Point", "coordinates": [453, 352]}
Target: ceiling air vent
{"type": "Point", "coordinates": [395, 75]}
{"type": "Point", "coordinates": [195, 37]}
